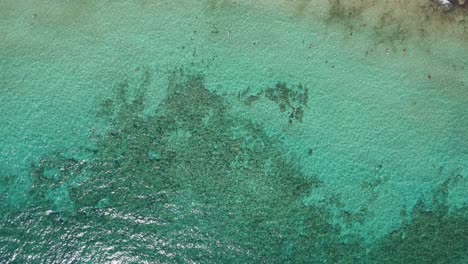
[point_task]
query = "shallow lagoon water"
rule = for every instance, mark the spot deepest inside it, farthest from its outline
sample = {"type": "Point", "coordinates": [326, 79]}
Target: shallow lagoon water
{"type": "Point", "coordinates": [230, 131]}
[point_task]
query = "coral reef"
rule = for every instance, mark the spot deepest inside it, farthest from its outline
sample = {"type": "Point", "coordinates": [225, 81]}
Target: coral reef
{"type": "Point", "coordinates": [194, 183]}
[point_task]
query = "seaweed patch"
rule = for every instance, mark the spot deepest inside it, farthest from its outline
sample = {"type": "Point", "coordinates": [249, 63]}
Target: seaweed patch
{"type": "Point", "coordinates": [394, 22]}
{"type": "Point", "coordinates": [291, 99]}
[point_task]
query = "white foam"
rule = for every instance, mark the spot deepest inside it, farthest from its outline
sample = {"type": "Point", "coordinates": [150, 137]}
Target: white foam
{"type": "Point", "coordinates": [445, 3]}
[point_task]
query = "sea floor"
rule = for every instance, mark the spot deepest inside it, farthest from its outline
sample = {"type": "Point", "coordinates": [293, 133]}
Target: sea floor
{"type": "Point", "coordinates": [223, 131]}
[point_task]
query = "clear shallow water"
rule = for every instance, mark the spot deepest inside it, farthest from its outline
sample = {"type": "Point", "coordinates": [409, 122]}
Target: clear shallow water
{"type": "Point", "coordinates": [229, 132]}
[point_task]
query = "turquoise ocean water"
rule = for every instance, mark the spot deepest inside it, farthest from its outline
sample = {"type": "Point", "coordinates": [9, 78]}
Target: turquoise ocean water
{"type": "Point", "coordinates": [224, 131]}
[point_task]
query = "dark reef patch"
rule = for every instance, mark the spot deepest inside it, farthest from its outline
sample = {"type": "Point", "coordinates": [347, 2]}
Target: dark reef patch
{"type": "Point", "coordinates": [394, 22]}
{"type": "Point", "coordinates": [435, 234]}
{"type": "Point", "coordinates": [459, 3]}
{"type": "Point", "coordinates": [340, 12]}
{"type": "Point", "coordinates": [194, 183]}
{"type": "Point", "coordinates": [432, 237]}
{"type": "Point", "coordinates": [206, 184]}
{"type": "Point", "coordinates": [290, 99]}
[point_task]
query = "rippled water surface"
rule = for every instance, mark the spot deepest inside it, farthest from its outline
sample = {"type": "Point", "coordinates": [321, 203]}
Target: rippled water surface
{"type": "Point", "coordinates": [223, 131]}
